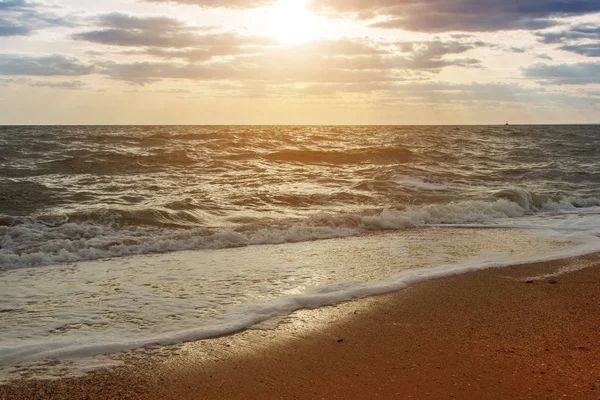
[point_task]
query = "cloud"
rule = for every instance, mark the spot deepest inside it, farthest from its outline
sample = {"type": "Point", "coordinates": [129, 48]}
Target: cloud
{"type": "Point", "coordinates": [413, 92]}
{"type": "Point", "coordinates": [125, 30]}
{"type": "Point", "coordinates": [565, 74]}
{"type": "Point", "coordinates": [147, 72]}
{"type": "Point", "coordinates": [518, 50]}
{"type": "Point", "coordinates": [238, 45]}
{"type": "Point", "coordinates": [362, 54]}
{"type": "Point", "coordinates": [438, 48]}
{"type": "Point", "coordinates": [236, 4]}
{"type": "Point", "coordinates": [22, 18]}
{"type": "Point", "coordinates": [344, 60]}
{"type": "Point", "coordinates": [169, 38]}
{"type": "Point", "coordinates": [465, 92]}
{"type": "Point", "coordinates": [577, 32]}
{"type": "Point", "coordinates": [459, 15]}
{"type": "Point", "coordinates": [68, 85]}
{"type": "Point", "coordinates": [587, 49]}
{"type": "Point", "coordinates": [14, 5]}
{"type": "Point", "coordinates": [9, 81]}
{"type": "Point", "coordinates": [54, 65]}
{"type": "Point", "coordinates": [495, 93]}
{"type": "Point", "coordinates": [9, 29]}
{"type": "Point", "coordinates": [583, 39]}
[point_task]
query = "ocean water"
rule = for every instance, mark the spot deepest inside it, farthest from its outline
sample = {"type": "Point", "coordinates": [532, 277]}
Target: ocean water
{"type": "Point", "coordinates": [114, 238]}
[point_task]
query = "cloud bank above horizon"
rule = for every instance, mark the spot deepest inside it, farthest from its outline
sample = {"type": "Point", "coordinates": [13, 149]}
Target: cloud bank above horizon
{"type": "Point", "coordinates": [299, 61]}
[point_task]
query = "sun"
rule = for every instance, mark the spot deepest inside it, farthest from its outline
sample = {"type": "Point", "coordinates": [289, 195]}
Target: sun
{"type": "Point", "coordinates": [291, 22]}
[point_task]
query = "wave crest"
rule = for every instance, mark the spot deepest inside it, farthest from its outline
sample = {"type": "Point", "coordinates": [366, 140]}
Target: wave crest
{"type": "Point", "coordinates": [48, 240]}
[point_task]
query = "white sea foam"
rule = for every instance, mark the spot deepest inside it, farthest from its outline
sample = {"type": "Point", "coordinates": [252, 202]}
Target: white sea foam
{"type": "Point", "coordinates": [50, 370]}
{"type": "Point", "coordinates": [107, 306]}
{"type": "Point", "coordinates": [34, 243]}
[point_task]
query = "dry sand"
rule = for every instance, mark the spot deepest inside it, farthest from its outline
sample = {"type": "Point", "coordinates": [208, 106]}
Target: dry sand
{"type": "Point", "coordinates": [495, 334]}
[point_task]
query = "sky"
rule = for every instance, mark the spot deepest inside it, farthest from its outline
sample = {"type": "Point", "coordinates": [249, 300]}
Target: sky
{"type": "Point", "coordinates": [424, 62]}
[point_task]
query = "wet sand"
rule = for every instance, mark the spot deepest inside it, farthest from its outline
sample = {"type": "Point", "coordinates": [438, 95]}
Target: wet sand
{"type": "Point", "coordinates": [510, 333]}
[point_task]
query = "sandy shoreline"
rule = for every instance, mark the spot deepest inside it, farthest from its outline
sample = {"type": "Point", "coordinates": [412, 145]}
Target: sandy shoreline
{"type": "Point", "coordinates": [488, 334]}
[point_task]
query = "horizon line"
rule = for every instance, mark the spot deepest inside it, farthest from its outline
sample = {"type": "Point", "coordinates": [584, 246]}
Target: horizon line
{"type": "Point", "coordinates": [482, 124]}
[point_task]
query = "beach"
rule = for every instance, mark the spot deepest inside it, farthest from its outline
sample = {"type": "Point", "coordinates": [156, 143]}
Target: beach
{"type": "Point", "coordinates": [226, 262]}
{"type": "Point", "coordinates": [522, 332]}
{"type": "Point", "coordinates": [299, 199]}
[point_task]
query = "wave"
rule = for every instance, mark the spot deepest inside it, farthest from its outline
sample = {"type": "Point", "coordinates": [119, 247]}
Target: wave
{"type": "Point", "coordinates": [28, 242]}
{"type": "Point", "coordinates": [189, 136]}
{"type": "Point", "coordinates": [534, 202]}
{"type": "Point", "coordinates": [372, 155]}
{"type": "Point", "coordinates": [120, 218]}
{"type": "Point", "coordinates": [420, 183]}
{"type": "Point", "coordinates": [17, 198]}
{"type": "Point", "coordinates": [117, 163]}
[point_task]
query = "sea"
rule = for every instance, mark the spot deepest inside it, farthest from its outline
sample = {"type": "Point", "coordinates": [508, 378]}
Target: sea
{"type": "Point", "coordinates": [115, 238]}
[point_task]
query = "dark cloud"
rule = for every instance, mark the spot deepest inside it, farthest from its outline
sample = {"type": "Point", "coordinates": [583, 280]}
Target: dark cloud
{"type": "Point", "coordinates": [461, 36]}
{"type": "Point", "coordinates": [147, 72]}
{"type": "Point", "coordinates": [460, 15]}
{"type": "Point", "coordinates": [9, 29]}
{"type": "Point", "coordinates": [587, 49]}
{"type": "Point", "coordinates": [463, 22]}
{"type": "Point", "coordinates": [578, 32]}
{"type": "Point", "coordinates": [583, 39]}
{"type": "Point", "coordinates": [125, 21]}
{"type": "Point", "coordinates": [421, 55]}
{"type": "Point", "coordinates": [22, 18]}
{"type": "Point", "coordinates": [437, 48]}
{"type": "Point", "coordinates": [14, 5]}
{"type": "Point", "coordinates": [125, 30]}
{"type": "Point", "coordinates": [169, 38]}
{"type": "Point", "coordinates": [426, 56]}
{"type": "Point", "coordinates": [54, 65]}
{"type": "Point", "coordinates": [565, 74]}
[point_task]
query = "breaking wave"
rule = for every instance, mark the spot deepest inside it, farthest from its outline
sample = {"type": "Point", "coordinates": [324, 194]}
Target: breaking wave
{"type": "Point", "coordinates": [28, 242]}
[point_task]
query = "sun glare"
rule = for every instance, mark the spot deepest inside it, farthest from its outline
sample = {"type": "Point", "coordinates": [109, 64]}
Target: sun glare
{"type": "Point", "coordinates": [291, 22]}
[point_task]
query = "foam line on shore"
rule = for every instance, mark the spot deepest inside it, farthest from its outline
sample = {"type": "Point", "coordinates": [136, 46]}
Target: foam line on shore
{"type": "Point", "coordinates": [246, 316]}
